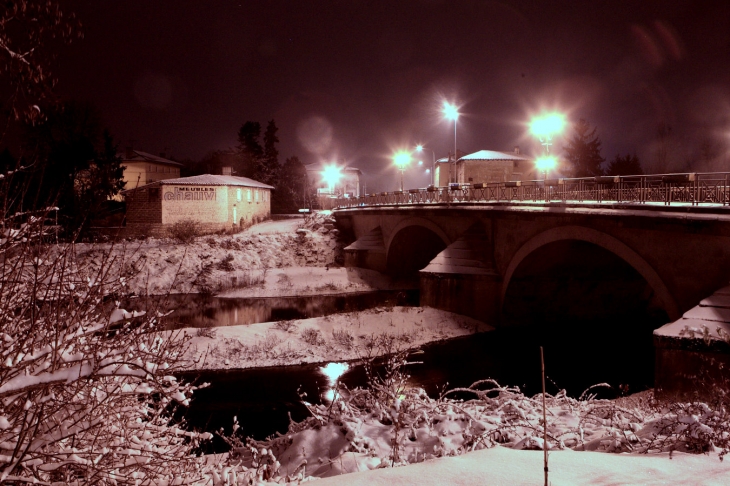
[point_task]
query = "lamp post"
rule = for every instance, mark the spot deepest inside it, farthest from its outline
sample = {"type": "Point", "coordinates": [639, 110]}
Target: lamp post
{"type": "Point", "coordinates": [451, 112]}
{"type": "Point", "coordinates": [421, 148]}
{"type": "Point", "coordinates": [545, 127]}
{"type": "Point", "coordinates": [401, 160]}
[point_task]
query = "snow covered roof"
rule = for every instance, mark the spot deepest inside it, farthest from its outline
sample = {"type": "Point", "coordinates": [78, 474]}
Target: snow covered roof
{"type": "Point", "coordinates": [494, 155]}
{"type": "Point", "coordinates": [209, 180]}
{"type": "Point", "coordinates": [131, 155]}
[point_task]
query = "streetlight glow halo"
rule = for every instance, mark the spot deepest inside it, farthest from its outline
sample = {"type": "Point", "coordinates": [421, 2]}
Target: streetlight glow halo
{"type": "Point", "coordinates": [547, 125]}
{"type": "Point", "coordinates": [546, 163]}
{"type": "Point", "coordinates": [451, 112]}
{"type": "Point", "coordinates": [402, 159]}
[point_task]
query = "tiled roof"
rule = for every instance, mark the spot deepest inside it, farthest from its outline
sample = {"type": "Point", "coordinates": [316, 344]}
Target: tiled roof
{"type": "Point", "coordinates": [494, 155]}
{"type": "Point", "coordinates": [145, 157]}
{"type": "Point", "coordinates": [210, 180]}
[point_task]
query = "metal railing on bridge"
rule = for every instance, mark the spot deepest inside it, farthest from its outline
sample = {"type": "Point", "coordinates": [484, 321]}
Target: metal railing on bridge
{"type": "Point", "coordinates": [694, 188]}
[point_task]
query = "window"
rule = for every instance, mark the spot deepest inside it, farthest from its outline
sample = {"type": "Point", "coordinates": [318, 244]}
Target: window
{"type": "Point", "coordinates": [248, 195]}
{"type": "Point", "coordinates": [256, 193]}
{"type": "Point", "coordinates": [238, 194]}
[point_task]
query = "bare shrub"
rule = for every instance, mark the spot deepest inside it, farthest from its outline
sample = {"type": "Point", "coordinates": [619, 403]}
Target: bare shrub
{"type": "Point", "coordinates": [208, 332]}
{"type": "Point", "coordinates": [286, 326]}
{"type": "Point", "coordinates": [343, 337]}
{"type": "Point", "coordinates": [225, 264]}
{"type": "Point", "coordinates": [185, 231]}
{"type": "Point", "coordinates": [312, 336]}
{"type": "Point", "coordinates": [83, 388]}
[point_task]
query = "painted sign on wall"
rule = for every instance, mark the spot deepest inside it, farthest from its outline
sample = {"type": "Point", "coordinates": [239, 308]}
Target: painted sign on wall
{"type": "Point", "coordinates": [207, 204]}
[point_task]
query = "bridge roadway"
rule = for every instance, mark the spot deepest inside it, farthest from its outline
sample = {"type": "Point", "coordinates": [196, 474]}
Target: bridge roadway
{"type": "Point", "coordinates": [468, 254]}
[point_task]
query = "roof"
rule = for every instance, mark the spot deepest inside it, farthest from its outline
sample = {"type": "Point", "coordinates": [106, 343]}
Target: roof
{"type": "Point", "coordinates": [209, 180]}
{"type": "Point", "coordinates": [494, 155]}
{"type": "Point", "coordinates": [139, 156]}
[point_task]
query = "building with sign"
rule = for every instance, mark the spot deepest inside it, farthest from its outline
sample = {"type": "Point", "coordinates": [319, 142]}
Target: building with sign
{"type": "Point", "coordinates": [215, 202]}
{"type": "Point", "coordinates": [485, 166]}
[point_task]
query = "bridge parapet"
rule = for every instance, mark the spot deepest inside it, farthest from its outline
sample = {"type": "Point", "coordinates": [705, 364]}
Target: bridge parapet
{"type": "Point", "coordinates": [693, 188]}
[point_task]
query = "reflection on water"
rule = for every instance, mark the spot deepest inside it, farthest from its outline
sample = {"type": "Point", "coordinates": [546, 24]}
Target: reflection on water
{"type": "Point", "coordinates": [333, 372]}
{"type": "Point", "coordinates": [197, 311]}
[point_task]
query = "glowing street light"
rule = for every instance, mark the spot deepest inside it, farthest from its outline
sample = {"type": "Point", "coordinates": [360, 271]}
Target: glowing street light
{"type": "Point", "coordinates": [331, 175]}
{"type": "Point", "coordinates": [451, 112]}
{"type": "Point", "coordinates": [401, 161]}
{"type": "Point", "coordinates": [545, 164]}
{"type": "Point", "coordinates": [547, 126]}
{"type": "Point", "coordinates": [421, 148]}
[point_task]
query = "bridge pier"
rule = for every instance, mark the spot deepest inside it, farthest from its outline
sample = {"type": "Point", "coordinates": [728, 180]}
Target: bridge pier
{"type": "Point", "coordinates": [367, 252]}
{"type": "Point", "coordinates": [473, 295]}
{"type": "Point", "coordinates": [462, 278]}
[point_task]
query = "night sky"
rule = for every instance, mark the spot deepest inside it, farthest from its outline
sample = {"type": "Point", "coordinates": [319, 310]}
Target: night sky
{"type": "Point", "coordinates": [353, 80]}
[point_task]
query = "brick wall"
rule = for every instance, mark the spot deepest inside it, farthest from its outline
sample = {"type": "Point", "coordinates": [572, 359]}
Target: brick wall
{"type": "Point", "coordinates": [144, 206]}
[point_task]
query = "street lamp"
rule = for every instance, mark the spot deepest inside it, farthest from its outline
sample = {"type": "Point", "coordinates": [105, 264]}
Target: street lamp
{"type": "Point", "coordinates": [547, 126]}
{"type": "Point", "coordinates": [421, 148]}
{"type": "Point", "coordinates": [401, 160]}
{"type": "Point", "coordinates": [331, 174]}
{"type": "Point", "coordinates": [451, 112]}
{"type": "Point", "coordinates": [545, 164]}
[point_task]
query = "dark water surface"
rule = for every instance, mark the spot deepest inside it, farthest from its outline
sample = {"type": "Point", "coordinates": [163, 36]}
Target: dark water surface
{"type": "Point", "coordinates": [577, 355]}
{"type": "Point", "coordinates": [201, 311]}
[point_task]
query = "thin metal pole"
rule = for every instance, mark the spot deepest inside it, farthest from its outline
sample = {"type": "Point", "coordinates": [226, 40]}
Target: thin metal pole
{"type": "Point", "coordinates": [456, 178]}
{"type": "Point", "coordinates": [544, 418]}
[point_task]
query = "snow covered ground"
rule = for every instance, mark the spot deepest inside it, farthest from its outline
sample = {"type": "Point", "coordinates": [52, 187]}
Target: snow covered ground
{"type": "Point", "coordinates": [337, 337]}
{"type": "Point", "coordinates": [492, 439]}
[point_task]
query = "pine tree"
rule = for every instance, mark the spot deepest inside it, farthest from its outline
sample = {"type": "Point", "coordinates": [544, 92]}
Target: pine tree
{"type": "Point", "coordinates": [249, 148]}
{"type": "Point", "coordinates": [292, 193]}
{"type": "Point", "coordinates": [269, 168]}
{"type": "Point", "coordinates": [626, 165]}
{"type": "Point", "coordinates": [75, 168]}
{"type": "Point", "coordinates": [583, 152]}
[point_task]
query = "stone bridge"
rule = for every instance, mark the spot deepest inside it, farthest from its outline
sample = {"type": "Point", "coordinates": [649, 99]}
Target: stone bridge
{"type": "Point", "coordinates": [491, 259]}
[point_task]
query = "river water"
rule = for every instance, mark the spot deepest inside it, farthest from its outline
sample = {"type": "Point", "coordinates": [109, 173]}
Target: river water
{"type": "Point", "coordinates": [578, 354]}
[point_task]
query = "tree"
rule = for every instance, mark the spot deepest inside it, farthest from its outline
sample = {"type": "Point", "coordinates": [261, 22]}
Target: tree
{"type": "Point", "coordinates": [293, 191]}
{"type": "Point", "coordinates": [30, 32]}
{"type": "Point", "coordinates": [249, 148]}
{"type": "Point", "coordinates": [583, 152]}
{"type": "Point", "coordinates": [626, 165]}
{"type": "Point", "coordinates": [269, 169]}
{"type": "Point", "coordinates": [75, 166]}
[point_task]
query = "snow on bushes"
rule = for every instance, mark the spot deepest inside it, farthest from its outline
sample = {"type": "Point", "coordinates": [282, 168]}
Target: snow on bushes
{"type": "Point", "coordinates": [391, 424]}
{"type": "Point", "coordinates": [87, 390]}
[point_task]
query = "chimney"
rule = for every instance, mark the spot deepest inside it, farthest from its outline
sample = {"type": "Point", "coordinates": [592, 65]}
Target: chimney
{"type": "Point", "coordinates": [227, 171]}
{"type": "Point", "coordinates": [517, 149]}
{"type": "Point", "coordinates": [129, 153]}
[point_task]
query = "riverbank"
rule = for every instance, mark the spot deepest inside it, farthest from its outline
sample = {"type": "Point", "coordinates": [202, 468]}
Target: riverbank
{"type": "Point", "coordinates": [337, 337]}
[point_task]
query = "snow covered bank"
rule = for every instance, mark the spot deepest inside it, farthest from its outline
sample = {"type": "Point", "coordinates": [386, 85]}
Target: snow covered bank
{"type": "Point", "coordinates": [156, 266]}
{"type": "Point", "coordinates": [501, 466]}
{"type": "Point", "coordinates": [336, 337]}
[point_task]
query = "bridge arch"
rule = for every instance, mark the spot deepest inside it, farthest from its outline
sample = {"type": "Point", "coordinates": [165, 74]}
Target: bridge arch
{"type": "Point", "coordinates": [412, 244]}
{"type": "Point", "coordinates": [604, 241]}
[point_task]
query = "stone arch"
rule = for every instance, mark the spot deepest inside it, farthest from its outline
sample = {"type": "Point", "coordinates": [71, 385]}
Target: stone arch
{"type": "Point", "coordinates": [604, 241]}
{"type": "Point", "coordinates": [416, 221]}
{"type": "Point", "coordinates": [412, 244]}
